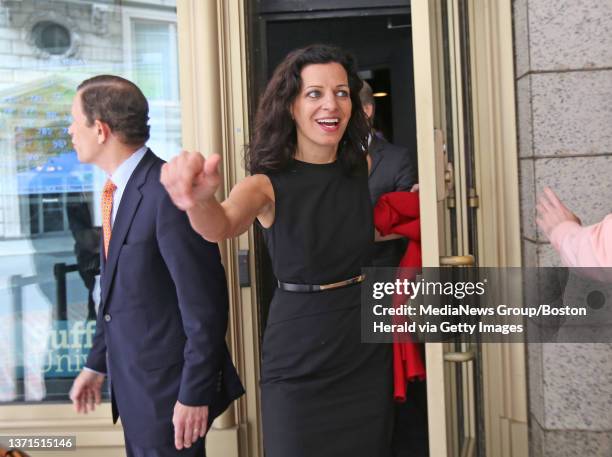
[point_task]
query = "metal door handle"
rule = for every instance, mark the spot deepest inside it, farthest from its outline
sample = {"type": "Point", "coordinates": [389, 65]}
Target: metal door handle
{"type": "Point", "coordinates": [459, 357]}
{"type": "Point", "coordinates": [457, 260]}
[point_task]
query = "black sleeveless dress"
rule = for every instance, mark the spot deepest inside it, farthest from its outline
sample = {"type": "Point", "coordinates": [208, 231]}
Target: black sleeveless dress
{"type": "Point", "coordinates": [324, 393]}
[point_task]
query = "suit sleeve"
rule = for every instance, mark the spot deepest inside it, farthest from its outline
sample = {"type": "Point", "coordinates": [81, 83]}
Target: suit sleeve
{"type": "Point", "coordinates": [406, 175]}
{"type": "Point", "coordinates": [199, 278]}
{"type": "Point", "coordinates": [96, 360]}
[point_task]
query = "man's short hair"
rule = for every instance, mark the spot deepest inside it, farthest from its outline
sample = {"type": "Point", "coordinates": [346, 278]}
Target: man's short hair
{"type": "Point", "coordinates": [366, 95]}
{"type": "Point", "coordinates": [118, 103]}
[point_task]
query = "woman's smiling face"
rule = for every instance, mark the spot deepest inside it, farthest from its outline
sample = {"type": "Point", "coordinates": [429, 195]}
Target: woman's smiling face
{"type": "Point", "coordinates": [322, 108]}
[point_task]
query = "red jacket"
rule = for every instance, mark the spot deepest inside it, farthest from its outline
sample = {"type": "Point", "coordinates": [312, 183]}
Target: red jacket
{"type": "Point", "coordinates": [398, 212]}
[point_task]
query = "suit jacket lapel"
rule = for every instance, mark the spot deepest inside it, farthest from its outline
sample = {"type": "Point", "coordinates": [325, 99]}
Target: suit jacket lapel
{"type": "Point", "coordinates": [123, 220]}
{"type": "Point", "coordinates": [375, 154]}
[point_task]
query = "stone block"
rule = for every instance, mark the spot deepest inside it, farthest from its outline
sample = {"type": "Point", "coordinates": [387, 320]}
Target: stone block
{"type": "Point", "coordinates": [571, 113]}
{"type": "Point", "coordinates": [570, 34]}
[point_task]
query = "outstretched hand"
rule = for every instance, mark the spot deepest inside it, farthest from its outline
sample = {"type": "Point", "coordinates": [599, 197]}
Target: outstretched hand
{"type": "Point", "coordinates": [190, 178]}
{"type": "Point", "coordinates": [551, 212]}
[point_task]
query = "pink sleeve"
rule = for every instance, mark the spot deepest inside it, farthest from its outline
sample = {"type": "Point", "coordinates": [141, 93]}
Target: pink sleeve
{"type": "Point", "coordinates": [584, 246]}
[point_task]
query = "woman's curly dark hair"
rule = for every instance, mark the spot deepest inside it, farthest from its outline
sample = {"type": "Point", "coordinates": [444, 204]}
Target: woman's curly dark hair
{"type": "Point", "coordinates": [274, 139]}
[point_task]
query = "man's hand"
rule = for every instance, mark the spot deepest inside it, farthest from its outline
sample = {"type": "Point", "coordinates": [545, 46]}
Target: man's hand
{"type": "Point", "coordinates": [189, 178]}
{"type": "Point", "coordinates": [392, 236]}
{"type": "Point", "coordinates": [190, 423]}
{"type": "Point", "coordinates": [86, 391]}
{"type": "Point", "coordinates": [551, 212]}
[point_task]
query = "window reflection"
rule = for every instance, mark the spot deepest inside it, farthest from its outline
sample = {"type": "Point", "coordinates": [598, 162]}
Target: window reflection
{"type": "Point", "coordinates": [49, 202]}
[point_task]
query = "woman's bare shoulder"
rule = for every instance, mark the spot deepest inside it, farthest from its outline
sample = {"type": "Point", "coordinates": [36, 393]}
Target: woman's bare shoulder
{"type": "Point", "coordinates": [258, 183]}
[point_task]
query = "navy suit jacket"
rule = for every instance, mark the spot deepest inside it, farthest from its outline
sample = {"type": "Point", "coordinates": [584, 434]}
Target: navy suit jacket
{"type": "Point", "coordinates": [160, 332]}
{"type": "Point", "coordinates": [393, 169]}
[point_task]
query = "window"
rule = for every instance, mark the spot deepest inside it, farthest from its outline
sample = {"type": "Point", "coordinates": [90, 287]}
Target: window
{"type": "Point", "coordinates": [49, 202]}
{"type": "Point", "coordinates": [51, 37]}
{"type": "Point", "coordinates": [152, 63]}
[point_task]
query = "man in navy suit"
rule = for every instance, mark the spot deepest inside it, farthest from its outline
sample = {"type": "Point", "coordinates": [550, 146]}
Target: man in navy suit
{"type": "Point", "coordinates": [162, 319]}
{"type": "Point", "coordinates": [392, 168]}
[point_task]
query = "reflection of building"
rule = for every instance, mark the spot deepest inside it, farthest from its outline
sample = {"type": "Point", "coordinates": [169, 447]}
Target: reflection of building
{"type": "Point", "coordinates": [40, 163]}
{"type": "Point", "coordinates": [48, 201]}
{"type": "Point", "coordinates": [72, 40]}
{"type": "Point", "coordinates": [58, 36]}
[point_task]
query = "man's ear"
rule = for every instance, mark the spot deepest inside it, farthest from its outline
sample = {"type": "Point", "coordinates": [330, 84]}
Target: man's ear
{"type": "Point", "coordinates": [369, 110]}
{"type": "Point", "coordinates": [102, 130]}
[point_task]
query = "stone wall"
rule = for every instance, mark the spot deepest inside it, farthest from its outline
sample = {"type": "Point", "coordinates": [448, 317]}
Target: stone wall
{"type": "Point", "coordinates": [564, 98]}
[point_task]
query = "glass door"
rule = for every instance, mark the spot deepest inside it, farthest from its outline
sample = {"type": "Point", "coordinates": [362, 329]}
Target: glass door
{"type": "Point", "coordinates": [448, 209]}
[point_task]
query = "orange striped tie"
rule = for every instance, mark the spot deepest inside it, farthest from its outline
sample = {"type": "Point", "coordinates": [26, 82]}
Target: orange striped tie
{"type": "Point", "coordinates": [107, 210]}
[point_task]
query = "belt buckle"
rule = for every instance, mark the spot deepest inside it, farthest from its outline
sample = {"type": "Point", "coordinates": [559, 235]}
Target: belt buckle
{"type": "Point", "coordinates": [319, 287]}
{"type": "Point", "coordinates": [346, 282]}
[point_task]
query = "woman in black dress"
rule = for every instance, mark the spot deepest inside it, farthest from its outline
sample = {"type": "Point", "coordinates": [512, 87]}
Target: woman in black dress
{"type": "Point", "coordinates": [324, 393]}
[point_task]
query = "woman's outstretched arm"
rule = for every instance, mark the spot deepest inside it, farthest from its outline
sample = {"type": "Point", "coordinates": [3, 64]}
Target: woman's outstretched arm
{"type": "Point", "coordinates": [192, 180]}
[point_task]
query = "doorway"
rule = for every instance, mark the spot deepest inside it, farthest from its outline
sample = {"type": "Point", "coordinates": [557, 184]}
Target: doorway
{"type": "Point", "coordinates": [243, 67]}
{"type": "Point", "coordinates": [378, 34]}
{"type": "Point", "coordinates": [465, 400]}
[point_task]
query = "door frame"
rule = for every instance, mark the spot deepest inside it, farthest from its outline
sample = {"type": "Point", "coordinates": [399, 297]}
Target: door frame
{"type": "Point", "coordinates": [497, 177]}
{"type": "Point", "coordinates": [496, 161]}
{"type": "Point", "coordinates": [214, 112]}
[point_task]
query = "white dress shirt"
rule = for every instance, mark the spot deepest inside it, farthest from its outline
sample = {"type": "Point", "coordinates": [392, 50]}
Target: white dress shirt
{"type": "Point", "coordinates": [122, 175]}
